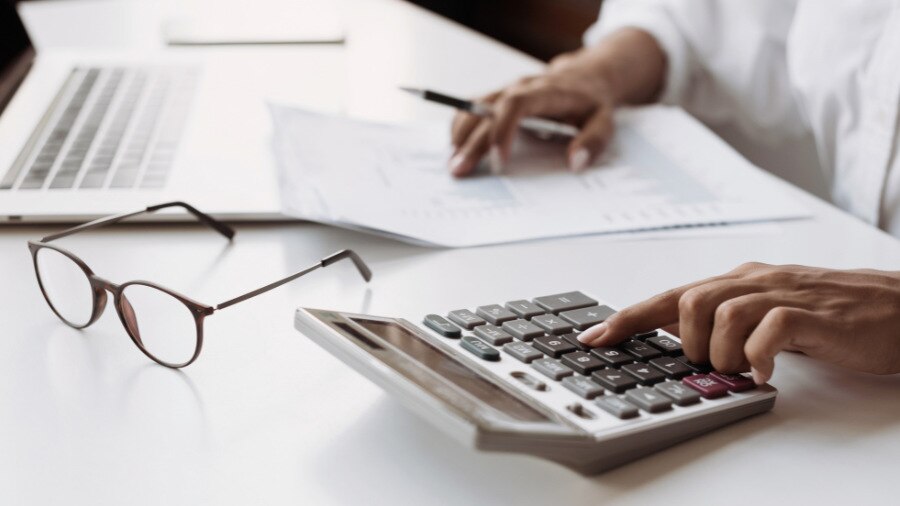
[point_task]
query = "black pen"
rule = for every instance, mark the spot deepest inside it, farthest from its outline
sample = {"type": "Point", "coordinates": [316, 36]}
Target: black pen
{"type": "Point", "coordinates": [542, 127]}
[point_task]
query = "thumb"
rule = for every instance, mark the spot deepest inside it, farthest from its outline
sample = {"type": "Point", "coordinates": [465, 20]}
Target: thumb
{"type": "Point", "coordinates": [591, 140]}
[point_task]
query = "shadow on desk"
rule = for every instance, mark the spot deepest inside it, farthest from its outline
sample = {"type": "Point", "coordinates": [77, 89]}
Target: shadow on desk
{"type": "Point", "coordinates": [821, 407]}
{"type": "Point", "coordinates": [443, 469]}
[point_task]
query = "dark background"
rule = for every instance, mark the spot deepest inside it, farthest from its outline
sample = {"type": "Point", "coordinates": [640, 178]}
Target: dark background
{"type": "Point", "coordinates": [541, 28]}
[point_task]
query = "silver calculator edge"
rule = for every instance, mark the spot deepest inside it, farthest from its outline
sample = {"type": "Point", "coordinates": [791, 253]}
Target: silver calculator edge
{"type": "Point", "coordinates": [478, 425]}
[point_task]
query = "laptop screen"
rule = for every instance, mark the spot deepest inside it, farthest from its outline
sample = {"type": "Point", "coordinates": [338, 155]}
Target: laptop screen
{"type": "Point", "coordinates": [16, 52]}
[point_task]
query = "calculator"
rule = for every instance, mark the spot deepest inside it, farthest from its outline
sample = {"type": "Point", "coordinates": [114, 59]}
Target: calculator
{"type": "Point", "coordinates": [512, 376]}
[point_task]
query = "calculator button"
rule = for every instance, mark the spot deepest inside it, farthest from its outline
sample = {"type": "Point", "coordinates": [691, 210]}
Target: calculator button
{"type": "Point", "coordinates": [648, 399]}
{"type": "Point", "coordinates": [529, 381]}
{"type": "Point", "coordinates": [495, 313]}
{"type": "Point", "coordinates": [612, 356]}
{"type": "Point", "coordinates": [645, 374]}
{"type": "Point", "coordinates": [522, 351]}
{"type": "Point", "coordinates": [680, 394]}
{"type": "Point", "coordinates": [565, 301]}
{"type": "Point", "coordinates": [698, 368]}
{"type": "Point", "coordinates": [614, 380]}
{"type": "Point", "coordinates": [552, 324]}
{"type": "Point", "coordinates": [708, 386]}
{"type": "Point", "coordinates": [553, 346]}
{"type": "Point", "coordinates": [493, 334]}
{"type": "Point", "coordinates": [440, 325]}
{"type": "Point", "coordinates": [552, 368]}
{"type": "Point", "coordinates": [639, 350]}
{"type": "Point", "coordinates": [671, 367]}
{"type": "Point", "coordinates": [582, 386]}
{"type": "Point", "coordinates": [582, 362]}
{"type": "Point", "coordinates": [573, 340]}
{"type": "Point", "coordinates": [734, 382]}
{"type": "Point", "coordinates": [465, 319]}
{"type": "Point", "coordinates": [479, 348]}
{"type": "Point", "coordinates": [523, 329]}
{"type": "Point", "coordinates": [617, 407]}
{"type": "Point", "coordinates": [587, 317]}
{"type": "Point", "coordinates": [580, 411]}
{"type": "Point", "coordinates": [665, 344]}
{"type": "Point", "coordinates": [645, 335]}
{"type": "Point", "coordinates": [524, 308]}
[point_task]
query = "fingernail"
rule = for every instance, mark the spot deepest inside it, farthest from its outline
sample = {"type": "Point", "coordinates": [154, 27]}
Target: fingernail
{"type": "Point", "coordinates": [593, 333]}
{"type": "Point", "coordinates": [579, 159]}
{"type": "Point", "coordinates": [758, 377]}
{"type": "Point", "coordinates": [496, 160]}
{"type": "Point", "coordinates": [456, 162]}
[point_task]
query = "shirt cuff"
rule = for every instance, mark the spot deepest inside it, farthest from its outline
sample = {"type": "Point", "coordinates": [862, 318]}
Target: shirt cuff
{"type": "Point", "coordinates": [659, 21]}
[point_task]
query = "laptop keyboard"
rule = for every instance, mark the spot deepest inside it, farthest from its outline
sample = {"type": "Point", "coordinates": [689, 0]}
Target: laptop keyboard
{"type": "Point", "coordinates": [647, 373]}
{"type": "Point", "coordinates": [108, 128]}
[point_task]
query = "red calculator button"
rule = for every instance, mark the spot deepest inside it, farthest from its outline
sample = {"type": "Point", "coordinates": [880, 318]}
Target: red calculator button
{"type": "Point", "coordinates": [708, 386]}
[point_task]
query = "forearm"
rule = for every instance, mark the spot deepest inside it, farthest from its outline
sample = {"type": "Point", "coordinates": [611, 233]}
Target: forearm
{"type": "Point", "coordinates": [630, 62]}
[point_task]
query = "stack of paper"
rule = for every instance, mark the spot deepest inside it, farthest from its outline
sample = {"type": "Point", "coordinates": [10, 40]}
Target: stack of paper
{"type": "Point", "coordinates": [663, 169]}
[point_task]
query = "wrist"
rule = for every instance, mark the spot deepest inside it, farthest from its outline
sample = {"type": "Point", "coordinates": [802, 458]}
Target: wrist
{"type": "Point", "coordinates": [598, 72]}
{"type": "Point", "coordinates": [631, 66]}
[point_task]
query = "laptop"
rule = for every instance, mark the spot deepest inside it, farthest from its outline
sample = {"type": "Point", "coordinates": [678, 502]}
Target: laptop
{"type": "Point", "coordinates": [86, 134]}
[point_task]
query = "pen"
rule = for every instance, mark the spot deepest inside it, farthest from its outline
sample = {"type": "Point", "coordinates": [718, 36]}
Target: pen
{"type": "Point", "coordinates": [542, 127]}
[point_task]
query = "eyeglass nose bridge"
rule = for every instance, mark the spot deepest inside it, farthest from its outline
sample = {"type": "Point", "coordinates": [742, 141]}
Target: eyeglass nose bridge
{"type": "Point", "coordinates": [101, 286]}
{"type": "Point", "coordinates": [122, 305]}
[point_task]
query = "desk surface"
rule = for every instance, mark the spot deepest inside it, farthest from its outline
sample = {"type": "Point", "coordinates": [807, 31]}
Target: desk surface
{"type": "Point", "coordinates": [266, 417]}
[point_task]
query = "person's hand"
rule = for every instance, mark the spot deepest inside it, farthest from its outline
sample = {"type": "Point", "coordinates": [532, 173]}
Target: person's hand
{"type": "Point", "coordinates": [739, 321]}
{"type": "Point", "coordinates": [581, 88]}
{"type": "Point", "coordinates": [566, 93]}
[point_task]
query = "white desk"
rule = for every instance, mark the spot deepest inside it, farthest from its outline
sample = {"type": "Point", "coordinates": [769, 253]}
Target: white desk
{"type": "Point", "coordinates": [266, 417]}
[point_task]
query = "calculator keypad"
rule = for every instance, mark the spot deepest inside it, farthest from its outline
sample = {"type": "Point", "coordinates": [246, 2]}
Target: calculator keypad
{"type": "Point", "coordinates": [523, 330]}
{"type": "Point", "coordinates": [582, 362]}
{"type": "Point", "coordinates": [552, 368]}
{"type": "Point", "coordinates": [617, 407]}
{"type": "Point", "coordinates": [671, 367]}
{"type": "Point", "coordinates": [440, 325]}
{"type": "Point", "coordinates": [582, 386]}
{"type": "Point", "coordinates": [648, 372]}
{"type": "Point", "coordinates": [479, 348]}
{"type": "Point", "coordinates": [524, 308]}
{"type": "Point", "coordinates": [553, 346]}
{"type": "Point", "coordinates": [493, 334]}
{"type": "Point", "coordinates": [495, 313]}
{"type": "Point", "coordinates": [552, 324]}
{"type": "Point", "coordinates": [465, 319]}
{"type": "Point", "coordinates": [611, 355]}
{"type": "Point", "coordinates": [680, 394]}
{"type": "Point", "coordinates": [587, 317]}
{"type": "Point", "coordinates": [565, 302]}
{"type": "Point", "coordinates": [522, 351]}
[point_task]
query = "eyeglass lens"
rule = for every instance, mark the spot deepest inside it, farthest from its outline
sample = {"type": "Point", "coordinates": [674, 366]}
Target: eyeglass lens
{"type": "Point", "coordinates": [159, 322]}
{"type": "Point", "coordinates": [66, 286]}
{"type": "Point", "coordinates": [162, 324]}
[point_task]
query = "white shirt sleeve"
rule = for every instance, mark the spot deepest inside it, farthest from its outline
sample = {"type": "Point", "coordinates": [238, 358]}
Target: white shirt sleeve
{"type": "Point", "coordinates": [659, 18]}
{"type": "Point", "coordinates": [793, 84]}
{"type": "Point", "coordinates": [726, 59]}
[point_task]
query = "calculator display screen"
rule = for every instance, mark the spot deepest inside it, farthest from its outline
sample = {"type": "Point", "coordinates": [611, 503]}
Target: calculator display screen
{"type": "Point", "coordinates": [451, 369]}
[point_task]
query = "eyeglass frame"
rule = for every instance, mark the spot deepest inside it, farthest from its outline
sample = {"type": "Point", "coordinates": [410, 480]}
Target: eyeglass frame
{"type": "Point", "coordinates": [199, 311]}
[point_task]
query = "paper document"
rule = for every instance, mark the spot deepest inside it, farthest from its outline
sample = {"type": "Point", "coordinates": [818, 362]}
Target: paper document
{"type": "Point", "coordinates": [663, 169]}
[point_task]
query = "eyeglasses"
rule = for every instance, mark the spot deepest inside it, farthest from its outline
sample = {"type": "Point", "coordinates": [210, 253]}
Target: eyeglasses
{"type": "Point", "coordinates": [165, 325]}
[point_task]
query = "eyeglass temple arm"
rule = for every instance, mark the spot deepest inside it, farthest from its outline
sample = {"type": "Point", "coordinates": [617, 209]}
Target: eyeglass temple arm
{"type": "Point", "coordinates": [325, 262]}
{"type": "Point", "coordinates": [204, 218]}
